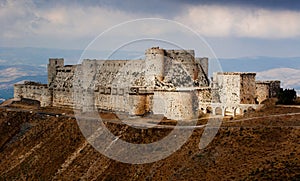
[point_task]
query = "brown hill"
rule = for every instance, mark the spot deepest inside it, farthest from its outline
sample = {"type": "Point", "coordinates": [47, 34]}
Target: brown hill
{"type": "Point", "coordinates": [39, 146]}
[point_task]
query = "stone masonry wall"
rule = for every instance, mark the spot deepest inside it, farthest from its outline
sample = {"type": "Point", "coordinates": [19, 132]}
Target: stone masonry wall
{"type": "Point", "coordinates": [262, 91]}
{"type": "Point", "coordinates": [62, 87]}
{"type": "Point", "coordinates": [204, 95]}
{"type": "Point", "coordinates": [155, 64]}
{"type": "Point", "coordinates": [36, 92]}
{"type": "Point", "coordinates": [134, 101]}
{"type": "Point", "coordinates": [202, 65]}
{"type": "Point", "coordinates": [235, 87]}
{"type": "Point", "coordinates": [186, 58]}
{"type": "Point", "coordinates": [248, 88]}
{"type": "Point", "coordinates": [274, 88]}
{"type": "Point", "coordinates": [266, 89]}
{"type": "Point", "coordinates": [227, 88]}
{"type": "Point", "coordinates": [169, 82]}
{"type": "Point", "coordinates": [178, 76]}
{"type": "Point", "coordinates": [53, 64]}
{"type": "Point", "coordinates": [177, 105]}
{"type": "Point", "coordinates": [110, 84]}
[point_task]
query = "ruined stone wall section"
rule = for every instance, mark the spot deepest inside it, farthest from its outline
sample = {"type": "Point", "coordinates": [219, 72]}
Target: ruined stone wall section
{"type": "Point", "coordinates": [155, 62]}
{"type": "Point", "coordinates": [64, 78]}
{"type": "Point", "coordinates": [267, 89]}
{"type": "Point", "coordinates": [104, 77]}
{"type": "Point", "coordinates": [121, 100]}
{"type": "Point", "coordinates": [203, 62]}
{"type": "Point", "coordinates": [262, 91]}
{"type": "Point", "coordinates": [62, 87]}
{"type": "Point", "coordinates": [248, 88]}
{"type": "Point", "coordinates": [202, 66]}
{"type": "Point", "coordinates": [177, 105]}
{"type": "Point", "coordinates": [132, 74]}
{"type": "Point", "coordinates": [169, 82]}
{"type": "Point", "coordinates": [184, 56]}
{"type": "Point", "coordinates": [183, 70]}
{"type": "Point", "coordinates": [121, 73]}
{"type": "Point", "coordinates": [204, 95]}
{"type": "Point", "coordinates": [63, 98]}
{"type": "Point", "coordinates": [110, 102]}
{"type": "Point", "coordinates": [108, 98]}
{"type": "Point", "coordinates": [40, 93]}
{"type": "Point", "coordinates": [187, 59]}
{"type": "Point", "coordinates": [53, 64]}
{"type": "Point", "coordinates": [235, 87]}
{"type": "Point", "coordinates": [137, 104]}
{"type": "Point", "coordinates": [178, 76]}
{"type": "Point", "coordinates": [274, 88]}
{"type": "Point", "coordinates": [227, 88]}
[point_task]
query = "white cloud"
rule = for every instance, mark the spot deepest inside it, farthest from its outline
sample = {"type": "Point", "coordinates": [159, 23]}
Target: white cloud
{"type": "Point", "coordinates": [22, 18]}
{"type": "Point", "coordinates": [220, 21]}
{"type": "Point", "coordinates": [24, 23]}
{"type": "Point", "coordinates": [78, 21]}
{"type": "Point", "coordinates": [290, 78]}
{"type": "Point", "coordinates": [13, 17]}
{"type": "Point", "coordinates": [10, 74]}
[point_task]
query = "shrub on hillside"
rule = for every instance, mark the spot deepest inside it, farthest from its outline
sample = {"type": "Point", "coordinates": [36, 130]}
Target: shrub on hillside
{"type": "Point", "coordinates": [287, 96]}
{"type": "Point", "coordinates": [298, 101]}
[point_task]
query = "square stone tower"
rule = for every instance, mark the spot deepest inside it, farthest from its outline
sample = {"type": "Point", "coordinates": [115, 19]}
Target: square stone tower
{"type": "Point", "coordinates": [266, 90]}
{"type": "Point", "coordinates": [235, 87]}
{"type": "Point", "coordinates": [53, 64]}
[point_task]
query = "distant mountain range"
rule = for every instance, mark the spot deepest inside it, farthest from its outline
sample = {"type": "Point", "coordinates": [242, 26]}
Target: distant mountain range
{"type": "Point", "coordinates": [287, 70]}
{"type": "Point", "coordinates": [20, 64]}
{"type": "Point", "coordinates": [289, 77]}
{"type": "Point", "coordinates": [258, 64]}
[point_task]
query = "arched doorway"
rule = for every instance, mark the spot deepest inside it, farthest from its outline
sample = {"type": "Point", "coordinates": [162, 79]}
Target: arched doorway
{"type": "Point", "coordinates": [229, 111]}
{"type": "Point", "coordinates": [238, 111]}
{"type": "Point", "coordinates": [218, 111]}
{"type": "Point", "coordinates": [209, 110]}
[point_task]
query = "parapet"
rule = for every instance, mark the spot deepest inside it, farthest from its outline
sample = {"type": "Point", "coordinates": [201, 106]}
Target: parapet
{"type": "Point", "coordinates": [268, 82]}
{"type": "Point", "coordinates": [155, 50]}
{"type": "Point", "coordinates": [181, 52]}
{"type": "Point", "coordinates": [34, 83]}
{"type": "Point", "coordinates": [236, 73]}
{"type": "Point", "coordinates": [57, 62]}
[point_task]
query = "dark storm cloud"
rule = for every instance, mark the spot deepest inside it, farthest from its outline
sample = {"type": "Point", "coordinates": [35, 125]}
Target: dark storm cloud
{"type": "Point", "coordinates": [43, 22]}
{"type": "Point", "coordinates": [266, 4]}
{"type": "Point", "coordinates": [153, 7]}
{"type": "Point", "coordinates": [169, 8]}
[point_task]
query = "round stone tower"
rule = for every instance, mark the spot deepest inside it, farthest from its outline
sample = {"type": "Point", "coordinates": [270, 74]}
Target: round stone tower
{"type": "Point", "coordinates": [155, 64]}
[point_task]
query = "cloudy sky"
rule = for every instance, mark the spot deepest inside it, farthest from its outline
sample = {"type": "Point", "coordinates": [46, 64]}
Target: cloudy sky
{"type": "Point", "coordinates": [232, 28]}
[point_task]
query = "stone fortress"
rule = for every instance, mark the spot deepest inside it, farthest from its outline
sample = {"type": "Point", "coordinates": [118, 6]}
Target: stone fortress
{"type": "Point", "coordinates": [173, 83]}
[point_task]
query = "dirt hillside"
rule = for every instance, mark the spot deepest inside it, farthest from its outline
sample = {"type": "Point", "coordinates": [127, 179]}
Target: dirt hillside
{"type": "Point", "coordinates": [38, 146]}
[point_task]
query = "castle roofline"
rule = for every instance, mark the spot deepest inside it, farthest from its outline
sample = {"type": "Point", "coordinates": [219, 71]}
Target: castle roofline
{"type": "Point", "coordinates": [267, 81]}
{"type": "Point", "coordinates": [235, 73]}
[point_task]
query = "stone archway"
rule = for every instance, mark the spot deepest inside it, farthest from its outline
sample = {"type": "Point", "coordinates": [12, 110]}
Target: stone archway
{"type": "Point", "coordinates": [218, 111]}
{"type": "Point", "coordinates": [250, 109]}
{"type": "Point", "coordinates": [202, 110]}
{"type": "Point", "coordinates": [229, 111]}
{"type": "Point", "coordinates": [209, 110]}
{"type": "Point", "coordinates": [238, 111]}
